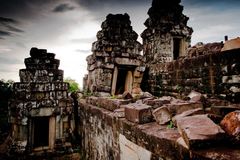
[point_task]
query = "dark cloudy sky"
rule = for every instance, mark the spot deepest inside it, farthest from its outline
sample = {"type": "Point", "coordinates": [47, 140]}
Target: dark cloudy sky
{"type": "Point", "coordinates": [68, 27]}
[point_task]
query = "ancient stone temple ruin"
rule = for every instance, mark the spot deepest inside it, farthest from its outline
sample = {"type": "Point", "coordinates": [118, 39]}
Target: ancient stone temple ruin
{"type": "Point", "coordinates": [40, 110]}
{"type": "Point", "coordinates": [167, 36]}
{"type": "Point", "coordinates": [173, 102]}
{"type": "Point", "coordinates": [116, 64]}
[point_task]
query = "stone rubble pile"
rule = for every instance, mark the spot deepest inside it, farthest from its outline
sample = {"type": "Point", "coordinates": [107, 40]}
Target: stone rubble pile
{"type": "Point", "coordinates": [198, 123]}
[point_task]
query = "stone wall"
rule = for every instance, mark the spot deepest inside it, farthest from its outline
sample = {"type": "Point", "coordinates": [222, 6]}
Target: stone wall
{"type": "Point", "coordinates": [106, 136]}
{"type": "Point", "coordinates": [109, 135]}
{"type": "Point", "coordinates": [215, 73]}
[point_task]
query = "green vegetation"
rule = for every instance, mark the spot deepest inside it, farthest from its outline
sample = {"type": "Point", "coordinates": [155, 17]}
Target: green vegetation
{"type": "Point", "coordinates": [5, 95]}
{"type": "Point", "coordinates": [87, 93]}
{"type": "Point", "coordinates": [170, 125]}
{"type": "Point", "coordinates": [113, 97]}
{"type": "Point", "coordinates": [74, 87]}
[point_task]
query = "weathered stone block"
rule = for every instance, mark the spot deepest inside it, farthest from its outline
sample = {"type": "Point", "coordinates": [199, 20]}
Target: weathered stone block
{"type": "Point", "coordinates": [111, 104]}
{"type": "Point", "coordinates": [162, 115]}
{"type": "Point", "coordinates": [157, 102]}
{"type": "Point", "coordinates": [120, 113]}
{"type": "Point", "coordinates": [127, 61]}
{"type": "Point", "coordinates": [223, 110]}
{"type": "Point", "coordinates": [197, 111]}
{"type": "Point", "coordinates": [231, 125]}
{"type": "Point", "coordinates": [19, 87]}
{"type": "Point", "coordinates": [138, 113]}
{"type": "Point", "coordinates": [127, 95]}
{"type": "Point", "coordinates": [180, 107]}
{"type": "Point", "coordinates": [199, 131]}
{"type": "Point", "coordinates": [92, 100]}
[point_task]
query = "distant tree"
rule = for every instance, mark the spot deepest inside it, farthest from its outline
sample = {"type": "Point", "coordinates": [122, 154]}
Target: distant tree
{"type": "Point", "coordinates": [74, 86]}
{"type": "Point", "coordinates": [5, 95]}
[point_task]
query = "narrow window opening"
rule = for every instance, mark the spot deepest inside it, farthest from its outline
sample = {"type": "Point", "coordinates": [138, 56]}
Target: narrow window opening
{"type": "Point", "coordinates": [176, 47]}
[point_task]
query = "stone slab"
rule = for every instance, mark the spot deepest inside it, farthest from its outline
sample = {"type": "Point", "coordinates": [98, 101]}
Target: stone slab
{"type": "Point", "coordinates": [180, 107]}
{"type": "Point", "coordinates": [223, 110]}
{"type": "Point", "coordinates": [197, 111]}
{"type": "Point", "coordinates": [199, 131]}
{"type": "Point", "coordinates": [162, 115]}
{"type": "Point", "coordinates": [138, 113]}
{"type": "Point", "coordinates": [110, 103]}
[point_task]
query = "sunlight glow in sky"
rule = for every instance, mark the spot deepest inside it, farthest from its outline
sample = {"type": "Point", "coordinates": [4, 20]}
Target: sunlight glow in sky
{"type": "Point", "coordinates": [68, 28]}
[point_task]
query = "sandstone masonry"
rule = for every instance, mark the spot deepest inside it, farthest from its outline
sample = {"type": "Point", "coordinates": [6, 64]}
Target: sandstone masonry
{"type": "Point", "coordinates": [116, 64]}
{"type": "Point", "coordinates": [40, 110]}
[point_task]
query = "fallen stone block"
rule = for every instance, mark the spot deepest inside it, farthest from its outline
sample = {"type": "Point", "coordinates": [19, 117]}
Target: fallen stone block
{"type": "Point", "coordinates": [223, 110]}
{"type": "Point", "coordinates": [218, 102]}
{"type": "Point", "coordinates": [195, 96]}
{"type": "Point", "coordinates": [146, 95]}
{"type": "Point", "coordinates": [138, 113]}
{"type": "Point", "coordinates": [199, 97]}
{"type": "Point", "coordinates": [215, 118]}
{"type": "Point", "coordinates": [231, 125]}
{"type": "Point", "coordinates": [157, 102]}
{"type": "Point", "coordinates": [92, 100]}
{"type": "Point", "coordinates": [180, 107]}
{"type": "Point", "coordinates": [191, 112]}
{"type": "Point", "coordinates": [199, 131]}
{"type": "Point", "coordinates": [111, 104]}
{"type": "Point", "coordinates": [120, 113]}
{"type": "Point", "coordinates": [127, 95]}
{"type": "Point", "coordinates": [162, 115]}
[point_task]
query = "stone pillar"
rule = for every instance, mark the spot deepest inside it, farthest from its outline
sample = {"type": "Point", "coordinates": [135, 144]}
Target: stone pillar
{"type": "Point", "coordinates": [129, 81]}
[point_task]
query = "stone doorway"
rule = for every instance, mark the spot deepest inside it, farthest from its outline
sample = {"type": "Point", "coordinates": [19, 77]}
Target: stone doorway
{"type": "Point", "coordinates": [40, 132]}
{"type": "Point", "coordinates": [122, 80]}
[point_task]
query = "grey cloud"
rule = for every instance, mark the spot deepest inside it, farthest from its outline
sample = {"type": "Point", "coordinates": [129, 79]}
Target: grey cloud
{"type": "Point", "coordinates": [6, 70]}
{"type": "Point", "coordinates": [4, 34]}
{"type": "Point", "coordinates": [10, 60]}
{"type": "Point", "coordinates": [63, 8]}
{"type": "Point", "coordinates": [14, 29]}
{"type": "Point", "coordinates": [9, 26]}
{"type": "Point", "coordinates": [7, 20]}
{"type": "Point", "coordinates": [84, 40]}
{"type": "Point", "coordinates": [24, 8]}
{"type": "Point", "coordinates": [96, 5]}
{"type": "Point", "coordinates": [83, 51]}
{"type": "Point", "coordinates": [213, 3]}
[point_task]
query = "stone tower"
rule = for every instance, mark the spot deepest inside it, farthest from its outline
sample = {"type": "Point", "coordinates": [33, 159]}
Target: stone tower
{"type": "Point", "coordinates": [167, 35]}
{"type": "Point", "coordinates": [115, 64]}
{"type": "Point", "coordinates": [41, 107]}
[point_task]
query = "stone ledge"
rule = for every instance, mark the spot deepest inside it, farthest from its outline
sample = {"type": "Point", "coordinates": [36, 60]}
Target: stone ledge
{"type": "Point", "coordinates": [159, 140]}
